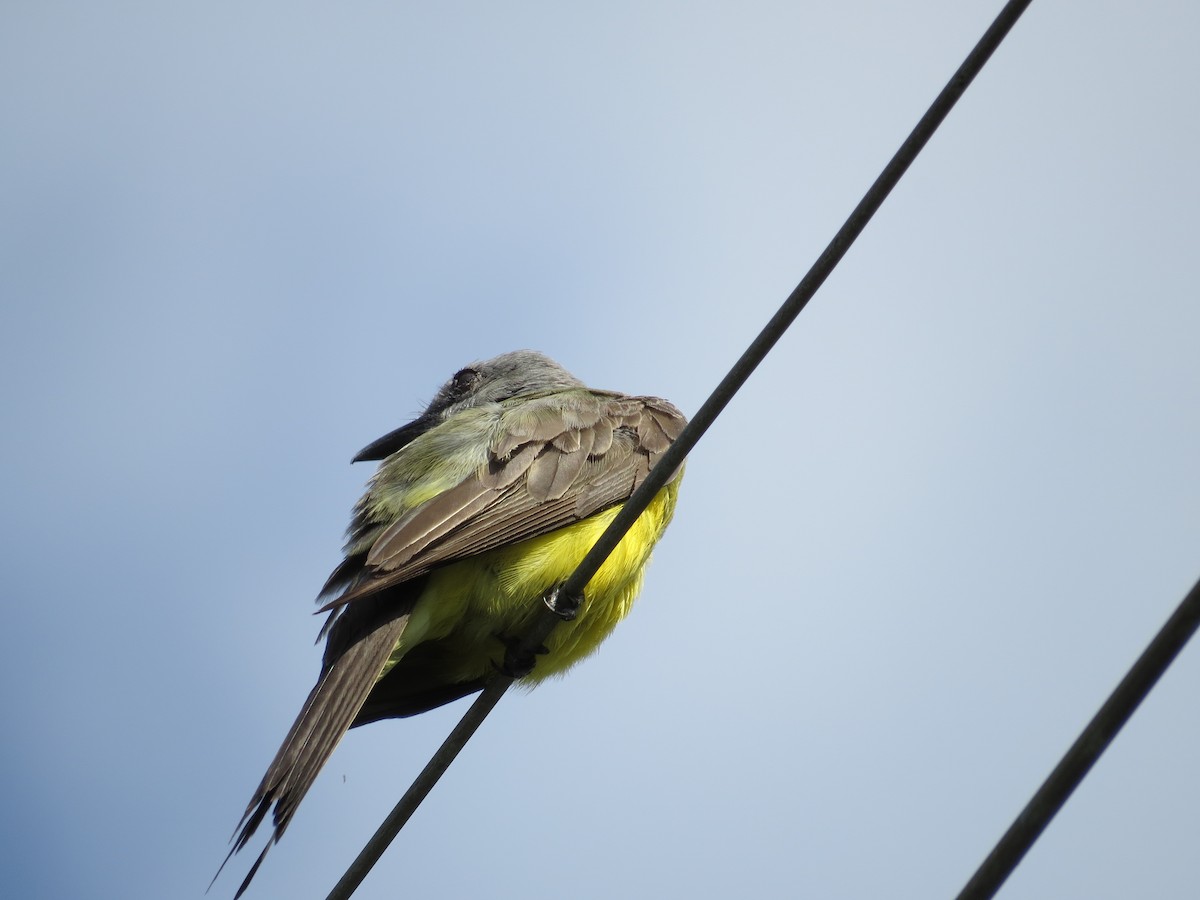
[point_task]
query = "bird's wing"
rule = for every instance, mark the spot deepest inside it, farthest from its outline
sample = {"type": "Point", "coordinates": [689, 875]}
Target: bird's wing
{"type": "Point", "coordinates": [552, 461]}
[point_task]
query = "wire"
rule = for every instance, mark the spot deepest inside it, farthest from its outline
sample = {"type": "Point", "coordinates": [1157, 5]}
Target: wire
{"type": "Point", "coordinates": [1092, 741]}
{"type": "Point", "coordinates": [699, 424]}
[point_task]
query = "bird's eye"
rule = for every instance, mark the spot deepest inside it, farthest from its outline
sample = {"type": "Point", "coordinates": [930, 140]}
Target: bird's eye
{"type": "Point", "coordinates": [464, 380]}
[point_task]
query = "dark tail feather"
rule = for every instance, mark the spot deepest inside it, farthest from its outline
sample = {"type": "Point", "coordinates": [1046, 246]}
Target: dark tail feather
{"type": "Point", "coordinates": [248, 830]}
{"type": "Point", "coordinates": [345, 682]}
{"type": "Point", "coordinates": [253, 870]}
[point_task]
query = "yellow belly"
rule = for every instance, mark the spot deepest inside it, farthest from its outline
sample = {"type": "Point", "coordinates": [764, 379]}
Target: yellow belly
{"type": "Point", "coordinates": [467, 604]}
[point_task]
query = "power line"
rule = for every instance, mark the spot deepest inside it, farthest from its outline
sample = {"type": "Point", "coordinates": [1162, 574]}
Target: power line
{"type": "Point", "coordinates": [675, 454]}
{"type": "Point", "coordinates": [1092, 741]}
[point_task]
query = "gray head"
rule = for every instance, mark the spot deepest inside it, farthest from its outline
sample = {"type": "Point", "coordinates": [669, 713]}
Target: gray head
{"type": "Point", "coordinates": [509, 375]}
{"type": "Point", "coordinates": [492, 380]}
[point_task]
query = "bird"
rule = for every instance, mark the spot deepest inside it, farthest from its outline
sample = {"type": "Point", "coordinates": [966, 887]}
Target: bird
{"type": "Point", "coordinates": [483, 504]}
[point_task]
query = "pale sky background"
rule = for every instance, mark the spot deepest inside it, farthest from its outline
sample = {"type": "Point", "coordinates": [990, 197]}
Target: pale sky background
{"type": "Point", "coordinates": [239, 241]}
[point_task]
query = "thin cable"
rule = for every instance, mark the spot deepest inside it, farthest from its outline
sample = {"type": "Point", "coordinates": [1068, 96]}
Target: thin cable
{"type": "Point", "coordinates": [1092, 741]}
{"type": "Point", "coordinates": [699, 424]}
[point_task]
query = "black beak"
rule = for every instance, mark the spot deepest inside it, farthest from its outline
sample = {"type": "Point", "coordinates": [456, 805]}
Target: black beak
{"type": "Point", "coordinates": [394, 440]}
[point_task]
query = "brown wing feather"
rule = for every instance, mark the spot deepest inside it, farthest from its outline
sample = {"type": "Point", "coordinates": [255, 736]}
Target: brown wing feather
{"type": "Point", "coordinates": [556, 460]}
{"type": "Point", "coordinates": [412, 534]}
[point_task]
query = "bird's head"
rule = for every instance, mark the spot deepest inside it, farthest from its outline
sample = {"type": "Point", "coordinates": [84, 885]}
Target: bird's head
{"type": "Point", "coordinates": [509, 375]}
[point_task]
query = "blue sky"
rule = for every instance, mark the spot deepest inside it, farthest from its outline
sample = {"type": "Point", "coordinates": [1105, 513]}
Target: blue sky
{"type": "Point", "coordinates": [239, 242]}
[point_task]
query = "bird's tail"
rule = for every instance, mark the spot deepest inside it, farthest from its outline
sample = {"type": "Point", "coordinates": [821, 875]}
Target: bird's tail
{"type": "Point", "coordinates": [332, 705]}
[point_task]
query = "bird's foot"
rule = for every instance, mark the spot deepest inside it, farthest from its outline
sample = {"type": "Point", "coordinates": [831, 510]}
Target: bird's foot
{"type": "Point", "coordinates": [518, 660]}
{"type": "Point", "coordinates": [565, 606]}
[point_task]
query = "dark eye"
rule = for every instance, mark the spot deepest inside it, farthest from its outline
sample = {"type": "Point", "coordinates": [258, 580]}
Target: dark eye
{"type": "Point", "coordinates": [463, 381]}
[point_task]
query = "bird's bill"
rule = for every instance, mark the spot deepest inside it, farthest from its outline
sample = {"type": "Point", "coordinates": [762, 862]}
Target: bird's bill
{"type": "Point", "coordinates": [394, 440]}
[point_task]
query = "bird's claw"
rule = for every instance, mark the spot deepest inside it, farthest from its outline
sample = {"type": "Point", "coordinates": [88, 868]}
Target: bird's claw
{"type": "Point", "coordinates": [518, 661]}
{"type": "Point", "coordinates": [565, 606]}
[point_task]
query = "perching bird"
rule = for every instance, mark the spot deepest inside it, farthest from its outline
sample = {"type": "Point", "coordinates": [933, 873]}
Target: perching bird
{"type": "Point", "coordinates": [480, 506]}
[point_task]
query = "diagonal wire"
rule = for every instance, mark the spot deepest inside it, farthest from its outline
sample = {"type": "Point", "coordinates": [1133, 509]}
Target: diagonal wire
{"type": "Point", "coordinates": [1092, 741]}
{"type": "Point", "coordinates": [699, 424]}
